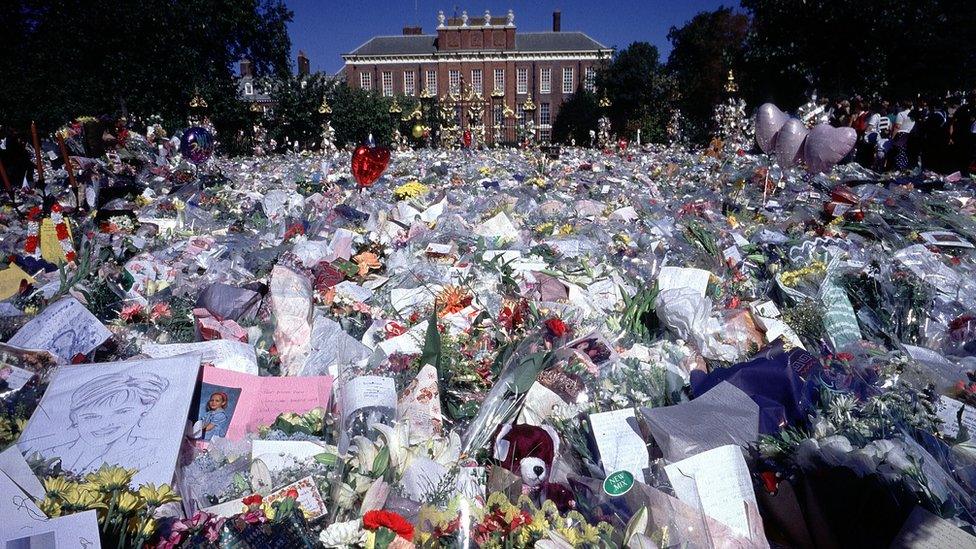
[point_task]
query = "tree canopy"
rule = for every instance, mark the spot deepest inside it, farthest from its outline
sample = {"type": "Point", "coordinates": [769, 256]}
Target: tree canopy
{"type": "Point", "coordinates": [638, 87]}
{"type": "Point", "coordinates": [704, 50]}
{"type": "Point", "coordinates": [65, 58]}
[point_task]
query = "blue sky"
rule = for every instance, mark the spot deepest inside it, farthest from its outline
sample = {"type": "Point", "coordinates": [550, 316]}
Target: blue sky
{"type": "Point", "coordinates": [325, 29]}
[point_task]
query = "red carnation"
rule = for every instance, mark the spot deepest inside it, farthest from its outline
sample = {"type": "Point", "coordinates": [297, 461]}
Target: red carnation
{"type": "Point", "coordinates": [291, 493]}
{"type": "Point", "coordinates": [373, 520]}
{"type": "Point", "coordinates": [556, 327]}
{"type": "Point", "coordinates": [62, 231]}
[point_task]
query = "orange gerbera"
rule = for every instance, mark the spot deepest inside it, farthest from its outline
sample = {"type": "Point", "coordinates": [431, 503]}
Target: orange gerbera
{"type": "Point", "coordinates": [367, 261]}
{"type": "Point", "coordinates": [452, 300]}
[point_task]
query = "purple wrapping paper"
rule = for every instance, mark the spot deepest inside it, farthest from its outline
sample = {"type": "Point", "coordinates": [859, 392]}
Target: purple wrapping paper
{"type": "Point", "coordinates": [777, 380]}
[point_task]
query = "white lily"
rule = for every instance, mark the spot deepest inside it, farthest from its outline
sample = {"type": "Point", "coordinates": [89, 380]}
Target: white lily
{"type": "Point", "coordinates": [366, 451]}
{"type": "Point", "coordinates": [397, 440]}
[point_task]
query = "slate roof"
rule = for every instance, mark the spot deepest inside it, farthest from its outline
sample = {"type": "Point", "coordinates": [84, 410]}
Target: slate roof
{"type": "Point", "coordinates": [524, 42]}
{"type": "Point", "coordinates": [556, 41]}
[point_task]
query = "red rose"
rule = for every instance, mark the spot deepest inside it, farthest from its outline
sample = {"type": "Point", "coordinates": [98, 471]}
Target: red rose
{"type": "Point", "coordinates": [291, 493]}
{"type": "Point", "coordinates": [387, 519]}
{"type": "Point", "coordinates": [556, 327]}
{"type": "Point", "coordinates": [254, 499]}
{"type": "Point", "coordinates": [769, 481]}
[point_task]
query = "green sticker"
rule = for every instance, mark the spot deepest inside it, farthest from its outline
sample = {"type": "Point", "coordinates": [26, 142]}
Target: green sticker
{"type": "Point", "coordinates": [619, 483]}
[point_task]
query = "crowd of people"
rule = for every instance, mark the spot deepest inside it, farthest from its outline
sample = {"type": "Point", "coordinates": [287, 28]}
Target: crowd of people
{"type": "Point", "coordinates": [936, 133]}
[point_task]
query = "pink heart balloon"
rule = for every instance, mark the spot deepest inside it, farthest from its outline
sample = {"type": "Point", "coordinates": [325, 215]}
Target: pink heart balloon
{"type": "Point", "coordinates": [826, 146]}
{"type": "Point", "coordinates": [788, 142]}
{"type": "Point", "coordinates": [769, 119]}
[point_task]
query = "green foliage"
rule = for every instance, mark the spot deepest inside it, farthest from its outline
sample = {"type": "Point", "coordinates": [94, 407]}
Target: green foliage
{"type": "Point", "coordinates": [638, 87]}
{"type": "Point", "coordinates": [704, 50]}
{"type": "Point", "coordinates": [892, 47]}
{"type": "Point", "coordinates": [296, 113]}
{"type": "Point", "coordinates": [639, 316]}
{"type": "Point", "coordinates": [357, 113]}
{"type": "Point", "coordinates": [576, 118]}
{"type": "Point", "coordinates": [135, 58]}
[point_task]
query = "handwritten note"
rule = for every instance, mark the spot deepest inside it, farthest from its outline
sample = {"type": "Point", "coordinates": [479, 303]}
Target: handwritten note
{"type": "Point", "coordinates": [672, 278]}
{"type": "Point", "coordinates": [948, 412]}
{"type": "Point", "coordinates": [928, 531]}
{"type": "Point", "coordinates": [51, 249]}
{"type": "Point", "coordinates": [716, 482]}
{"type": "Point", "coordinates": [366, 402]}
{"type": "Point", "coordinates": [309, 498]}
{"type": "Point", "coordinates": [246, 402]}
{"type": "Point", "coordinates": [225, 354]}
{"type": "Point", "coordinates": [78, 530]}
{"type": "Point", "coordinates": [620, 444]}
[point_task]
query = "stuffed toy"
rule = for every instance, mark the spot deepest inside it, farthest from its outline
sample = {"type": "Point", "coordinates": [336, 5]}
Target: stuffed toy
{"type": "Point", "coordinates": [529, 451]}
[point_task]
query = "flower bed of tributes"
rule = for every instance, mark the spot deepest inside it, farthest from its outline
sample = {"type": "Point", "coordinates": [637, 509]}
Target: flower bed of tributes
{"type": "Point", "coordinates": [641, 347]}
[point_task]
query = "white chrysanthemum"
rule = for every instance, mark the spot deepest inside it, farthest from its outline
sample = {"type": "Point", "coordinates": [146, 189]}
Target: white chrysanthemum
{"type": "Point", "coordinates": [342, 534]}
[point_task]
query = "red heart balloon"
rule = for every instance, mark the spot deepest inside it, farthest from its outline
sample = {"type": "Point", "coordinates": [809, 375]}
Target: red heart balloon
{"type": "Point", "coordinates": [369, 163]}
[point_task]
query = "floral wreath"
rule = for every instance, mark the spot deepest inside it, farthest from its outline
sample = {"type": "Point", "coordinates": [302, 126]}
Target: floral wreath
{"type": "Point", "coordinates": [32, 245]}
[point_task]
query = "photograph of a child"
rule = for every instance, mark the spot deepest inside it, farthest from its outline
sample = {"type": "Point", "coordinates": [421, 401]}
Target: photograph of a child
{"type": "Point", "coordinates": [217, 405]}
{"type": "Point", "coordinates": [593, 350]}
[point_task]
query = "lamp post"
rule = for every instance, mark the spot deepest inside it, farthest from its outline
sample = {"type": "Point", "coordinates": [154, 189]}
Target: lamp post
{"type": "Point", "coordinates": [529, 107]}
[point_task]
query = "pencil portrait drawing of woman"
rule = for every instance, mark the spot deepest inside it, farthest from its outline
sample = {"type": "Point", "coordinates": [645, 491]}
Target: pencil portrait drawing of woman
{"type": "Point", "coordinates": [106, 415]}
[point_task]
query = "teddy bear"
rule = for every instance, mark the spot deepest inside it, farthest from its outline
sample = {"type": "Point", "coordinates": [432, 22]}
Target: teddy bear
{"type": "Point", "coordinates": [528, 451]}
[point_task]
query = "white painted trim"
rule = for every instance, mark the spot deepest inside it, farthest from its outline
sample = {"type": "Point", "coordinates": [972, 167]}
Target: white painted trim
{"type": "Point", "coordinates": [482, 57]}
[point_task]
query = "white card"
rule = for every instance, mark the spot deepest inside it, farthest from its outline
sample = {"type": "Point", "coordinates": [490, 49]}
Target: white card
{"type": "Point", "coordinates": [79, 530]}
{"type": "Point", "coordinates": [947, 410]}
{"type": "Point", "coordinates": [281, 454]}
{"type": "Point", "coordinates": [66, 328]}
{"type": "Point", "coordinates": [620, 444]}
{"type": "Point", "coordinates": [13, 464]}
{"type": "Point", "coordinates": [678, 277]}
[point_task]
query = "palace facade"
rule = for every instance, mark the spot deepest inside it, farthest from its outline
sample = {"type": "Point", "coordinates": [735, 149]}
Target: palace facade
{"type": "Point", "coordinates": [493, 74]}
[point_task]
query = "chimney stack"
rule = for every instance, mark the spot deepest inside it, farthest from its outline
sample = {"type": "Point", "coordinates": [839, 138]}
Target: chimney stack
{"type": "Point", "coordinates": [246, 68]}
{"type": "Point", "coordinates": [413, 31]}
{"type": "Point", "coordinates": [557, 21]}
{"type": "Point", "coordinates": [303, 65]}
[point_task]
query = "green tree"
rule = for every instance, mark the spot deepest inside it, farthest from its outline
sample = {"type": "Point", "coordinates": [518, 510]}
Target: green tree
{"type": "Point", "coordinates": [704, 50]}
{"type": "Point", "coordinates": [576, 118]}
{"type": "Point", "coordinates": [842, 47]}
{"type": "Point", "coordinates": [119, 57]}
{"type": "Point", "coordinates": [357, 113]}
{"type": "Point", "coordinates": [636, 84]}
{"type": "Point", "coordinates": [296, 112]}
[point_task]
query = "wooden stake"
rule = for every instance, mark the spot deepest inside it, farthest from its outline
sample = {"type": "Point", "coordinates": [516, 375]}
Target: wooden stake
{"type": "Point", "coordinates": [37, 155]}
{"type": "Point", "coordinates": [69, 169]}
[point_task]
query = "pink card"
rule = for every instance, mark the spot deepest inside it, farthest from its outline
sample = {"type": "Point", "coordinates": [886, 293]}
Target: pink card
{"type": "Point", "coordinates": [233, 403]}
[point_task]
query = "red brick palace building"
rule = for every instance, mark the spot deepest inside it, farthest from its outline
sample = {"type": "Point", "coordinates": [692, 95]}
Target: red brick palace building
{"type": "Point", "coordinates": [516, 75]}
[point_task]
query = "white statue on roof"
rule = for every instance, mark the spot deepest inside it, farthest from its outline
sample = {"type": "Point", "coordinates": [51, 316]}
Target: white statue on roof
{"type": "Point", "coordinates": [440, 19]}
{"type": "Point", "coordinates": [464, 18]}
{"type": "Point", "coordinates": [510, 18]}
{"type": "Point", "coordinates": [487, 18]}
